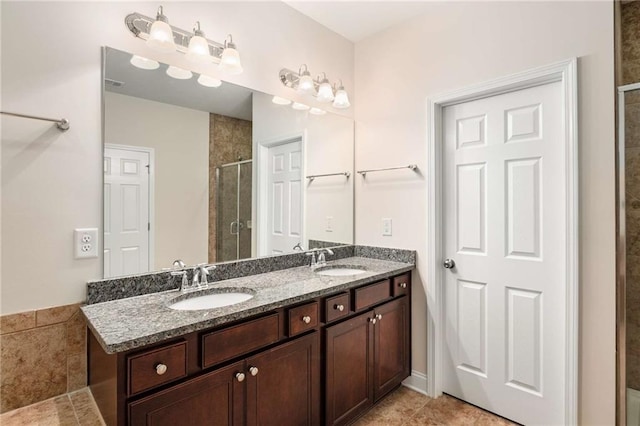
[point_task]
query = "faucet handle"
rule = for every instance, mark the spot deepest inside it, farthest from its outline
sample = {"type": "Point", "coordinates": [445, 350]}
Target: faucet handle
{"type": "Point", "coordinates": [178, 273]}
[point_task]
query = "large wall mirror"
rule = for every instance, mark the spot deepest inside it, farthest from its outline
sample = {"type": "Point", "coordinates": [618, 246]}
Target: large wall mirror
{"type": "Point", "coordinates": [211, 174]}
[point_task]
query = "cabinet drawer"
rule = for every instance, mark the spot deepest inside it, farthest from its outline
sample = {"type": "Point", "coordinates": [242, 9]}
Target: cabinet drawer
{"type": "Point", "coordinates": [156, 367]}
{"type": "Point", "coordinates": [337, 307]}
{"type": "Point", "coordinates": [234, 341]}
{"type": "Point", "coordinates": [371, 294]}
{"type": "Point", "coordinates": [303, 318]}
{"type": "Point", "coordinates": [401, 284]}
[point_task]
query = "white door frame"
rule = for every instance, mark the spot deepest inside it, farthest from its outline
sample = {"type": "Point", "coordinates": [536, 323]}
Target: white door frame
{"type": "Point", "coordinates": [566, 73]}
{"type": "Point", "coordinates": [152, 191]}
{"type": "Point", "coordinates": [262, 185]}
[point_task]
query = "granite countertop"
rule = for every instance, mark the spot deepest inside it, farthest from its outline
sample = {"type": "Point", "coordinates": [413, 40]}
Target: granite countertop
{"type": "Point", "coordinates": [124, 324]}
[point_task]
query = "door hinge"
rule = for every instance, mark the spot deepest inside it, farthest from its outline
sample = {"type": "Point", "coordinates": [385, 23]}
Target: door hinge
{"type": "Point", "coordinates": [148, 226]}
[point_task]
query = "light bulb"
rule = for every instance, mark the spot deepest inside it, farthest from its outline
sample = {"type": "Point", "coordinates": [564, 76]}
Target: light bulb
{"type": "Point", "coordinates": [199, 48]}
{"type": "Point", "coordinates": [342, 99]}
{"type": "Point", "coordinates": [280, 101]}
{"type": "Point", "coordinates": [161, 35]}
{"type": "Point", "coordinates": [305, 84]}
{"type": "Point", "coordinates": [300, 107]}
{"type": "Point", "coordinates": [144, 63]}
{"type": "Point", "coordinates": [208, 81]}
{"type": "Point", "coordinates": [230, 59]}
{"type": "Point", "coordinates": [325, 91]}
{"type": "Point", "coordinates": [179, 73]}
{"type": "Point", "coordinates": [317, 111]}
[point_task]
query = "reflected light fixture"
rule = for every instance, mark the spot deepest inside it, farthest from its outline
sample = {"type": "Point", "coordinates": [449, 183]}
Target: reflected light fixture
{"type": "Point", "coordinates": [209, 81]}
{"type": "Point", "coordinates": [325, 91]}
{"type": "Point", "coordinates": [230, 58]}
{"type": "Point", "coordinates": [321, 87]}
{"type": "Point", "coordinates": [144, 63]}
{"type": "Point", "coordinates": [160, 34]}
{"type": "Point", "coordinates": [179, 73]}
{"type": "Point", "coordinates": [317, 111]}
{"type": "Point", "coordinates": [342, 98]}
{"type": "Point", "coordinates": [198, 51]}
{"type": "Point", "coordinates": [280, 101]}
{"type": "Point", "coordinates": [300, 107]}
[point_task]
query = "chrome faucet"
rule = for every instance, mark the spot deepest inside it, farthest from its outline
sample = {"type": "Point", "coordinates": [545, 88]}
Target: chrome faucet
{"type": "Point", "coordinates": [298, 247]}
{"type": "Point", "coordinates": [184, 285]}
{"type": "Point", "coordinates": [321, 256]}
{"type": "Point", "coordinates": [200, 273]}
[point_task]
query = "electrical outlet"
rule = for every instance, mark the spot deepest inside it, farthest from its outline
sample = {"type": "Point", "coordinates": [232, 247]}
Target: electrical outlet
{"type": "Point", "coordinates": [386, 227]}
{"type": "Point", "coordinates": [329, 227]}
{"type": "Point", "coordinates": [85, 241]}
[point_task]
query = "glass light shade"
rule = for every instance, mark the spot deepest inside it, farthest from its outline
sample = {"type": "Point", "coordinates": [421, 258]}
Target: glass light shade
{"type": "Point", "coordinates": [144, 63]}
{"type": "Point", "coordinates": [199, 51]}
{"type": "Point", "coordinates": [306, 86]}
{"type": "Point", "coordinates": [317, 111]}
{"type": "Point", "coordinates": [325, 92]}
{"type": "Point", "coordinates": [179, 73]}
{"type": "Point", "coordinates": [299, 106]}
{"type": "Point", "coordinates": [208, 81]}
{"type": "Point", "coordinates": [161, 37]}
{"type": "Point", "coordinates": [280, 101]}
{"type": "Point", "coordinates": [342, 99]}
{"type": "Point", "coordinates": [230, 61]}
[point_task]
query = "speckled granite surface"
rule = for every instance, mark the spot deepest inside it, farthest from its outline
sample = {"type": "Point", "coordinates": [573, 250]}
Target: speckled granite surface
{"type": "Point", "coordinates": [125, 324]}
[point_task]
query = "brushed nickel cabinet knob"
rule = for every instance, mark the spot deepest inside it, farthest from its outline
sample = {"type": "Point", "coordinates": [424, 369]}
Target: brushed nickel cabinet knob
{"type": "Point", "coordinates": [379, 317]}
{"type": "Point", "coordinates": [306, 319]}
{"type": "Point", "coordinates": [161, 369]}
{"type": "Point", "coordinates": [403, 285]}
{"type": "Point", "coordinates": [253, 371]}
{"type": "Point", "coordinates": [339, 307]}
{"type": "Point", "coordinates": [240, 377]}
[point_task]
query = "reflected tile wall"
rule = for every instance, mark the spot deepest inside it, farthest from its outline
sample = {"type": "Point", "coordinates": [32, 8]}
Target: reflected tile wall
{"type": "Point", "coordinates": [43, 354]}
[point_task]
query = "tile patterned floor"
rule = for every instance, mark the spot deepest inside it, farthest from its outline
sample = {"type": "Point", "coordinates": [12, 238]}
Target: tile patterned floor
{"type": "Point", "coordinates": [404, 407]}
{"type": "Point", "coordinates": [72, 409]}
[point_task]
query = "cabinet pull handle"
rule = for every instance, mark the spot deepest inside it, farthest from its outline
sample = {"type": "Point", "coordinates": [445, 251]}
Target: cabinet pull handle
{"type": "Point", "coordinates": [403, 285]}
{"type": "Point", "coordinates": [379, 317]}
{"type": "Point", "coordinates": [240, 377]}
{"type": "Point", "coordinates": [339, 307]}
{"type": "Point", "coordinates": [373, 321]}
{"type": "Point", "coordinates": [161, 369]}
{"type": "Point", "coordinates": [253, 371]}
{"type": "Point", "coordinates": [306, 319]}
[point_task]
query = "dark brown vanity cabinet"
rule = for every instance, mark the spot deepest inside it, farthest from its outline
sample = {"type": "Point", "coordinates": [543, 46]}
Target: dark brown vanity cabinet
{"type": "Point", "coordinates": [366, 357]}
{"type": "Point", "coordinates": [326, 360]}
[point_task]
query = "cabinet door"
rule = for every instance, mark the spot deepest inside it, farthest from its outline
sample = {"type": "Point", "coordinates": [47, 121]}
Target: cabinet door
{"type": "Point", "coordinates": [283, 384]}
{"type": "Point", "coordinates": [216, 398]}
{"type": "Point", "coordinates": [391, 346]}
{"type": "Point", "coordinates": [349, 369]}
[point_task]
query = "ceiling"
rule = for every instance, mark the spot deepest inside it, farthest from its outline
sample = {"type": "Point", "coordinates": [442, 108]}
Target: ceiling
{"type": "Point", "coordinates": [357, 20]}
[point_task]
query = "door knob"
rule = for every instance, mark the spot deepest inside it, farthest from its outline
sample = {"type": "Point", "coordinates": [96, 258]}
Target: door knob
{"type": "Point", "coordinates": [449, 263]}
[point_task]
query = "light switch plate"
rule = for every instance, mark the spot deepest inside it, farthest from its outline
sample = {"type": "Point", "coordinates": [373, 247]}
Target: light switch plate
{"type": "Point", "coordinates": [386, 227]}
{"type": "Point", "coordinates": [85, 241]}
{"type": "Point", "coordinates": [329, 227]}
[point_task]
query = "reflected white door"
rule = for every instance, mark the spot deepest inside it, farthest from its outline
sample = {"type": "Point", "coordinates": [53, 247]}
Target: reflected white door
{"type": "Point", "coordinates": [126, 211]}
{"type": "Point", "coordinates": [285, 197]}
{"type": "Point", "coordinates": [505, 227]}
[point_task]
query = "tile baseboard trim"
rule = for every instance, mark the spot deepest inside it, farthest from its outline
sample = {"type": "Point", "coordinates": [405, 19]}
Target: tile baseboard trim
{"type": "Point", "coordinates": [417, 381]}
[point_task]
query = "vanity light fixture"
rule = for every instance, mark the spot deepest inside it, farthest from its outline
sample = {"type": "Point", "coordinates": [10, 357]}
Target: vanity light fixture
{"type": "Point", "coordinates": [198, 51]}
{"type": "Point", "coordinates": [163, 37]}
{"type": "Point", "coordinates": [179, 73]}
{"type": "Point", "coordinates": [209, 81]}
{"type": "Point", "coordinates": [300, 107]}
{"type": "Point", "coordinates": [160, 34]}
{"type": "Point", "coordinates": [144, 63]}
{"type": "Point", "coordinates": [317, 111]}
{"type": "Point", "coordinates": [280, 101]}
{"type": "Point", "coordinates": [322, 88]}
{"type": "Point", "coordinates": [342, 98]}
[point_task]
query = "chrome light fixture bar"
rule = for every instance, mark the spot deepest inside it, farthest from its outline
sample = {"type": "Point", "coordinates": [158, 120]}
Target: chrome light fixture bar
{"type": "Point", "coordinates": [323, 90]}
{"type": "Point", "coordinates": [140, 26]}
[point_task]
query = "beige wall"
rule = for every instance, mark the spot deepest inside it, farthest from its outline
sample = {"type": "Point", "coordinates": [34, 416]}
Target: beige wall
{"type": "Point", "coordinates": [51, 181]}
{"type": "Point", "coordinates": [457, 44]}
{"type": "Point", "coordinates": [180, 140]}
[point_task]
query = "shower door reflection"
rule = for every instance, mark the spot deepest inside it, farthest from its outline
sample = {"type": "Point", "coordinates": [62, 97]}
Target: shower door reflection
{"type": "Point", "coordinates": [233, 191]}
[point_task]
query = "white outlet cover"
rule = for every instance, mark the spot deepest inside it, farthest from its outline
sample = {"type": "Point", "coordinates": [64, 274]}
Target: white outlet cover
{"type": "Point", "coordinates": [329, 224]}
{"type": "Point", "coordinates": [387, 227]}
{"type": "Point", "coordinates": [85, 241]}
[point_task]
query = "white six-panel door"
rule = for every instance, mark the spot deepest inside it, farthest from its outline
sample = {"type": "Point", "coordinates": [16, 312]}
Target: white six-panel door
{"type": "Point", "coordinates": [126, 212]}
{"type": "Point", "coordinates": [285, 197]}
{"type": "Point", "coordinates": [505, 226]}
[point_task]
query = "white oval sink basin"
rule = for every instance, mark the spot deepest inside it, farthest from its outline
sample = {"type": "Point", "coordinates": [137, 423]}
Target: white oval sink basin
{"type": "Point", "coordinates": [340, 271]}
{"type": "Point", "coordinates": [210, 301]}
